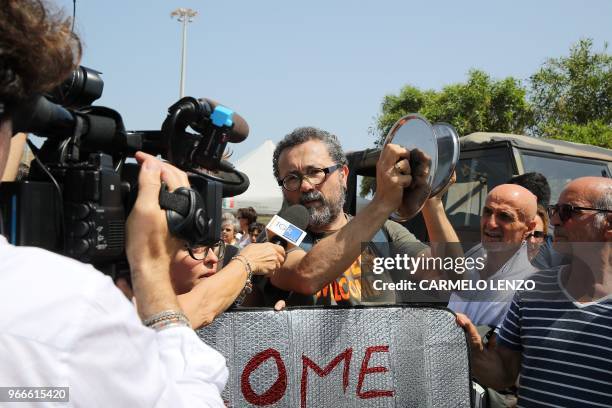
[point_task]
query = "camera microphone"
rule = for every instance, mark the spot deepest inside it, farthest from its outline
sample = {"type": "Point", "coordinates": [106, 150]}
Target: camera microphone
{"type": "Point", "coordinates": [239, 131]}
{"type": "Point", "coordinates": [287, 227]}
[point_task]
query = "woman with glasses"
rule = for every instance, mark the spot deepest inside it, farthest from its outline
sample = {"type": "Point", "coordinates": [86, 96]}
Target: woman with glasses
{"type": "Point", "coordinates": [206, 291]}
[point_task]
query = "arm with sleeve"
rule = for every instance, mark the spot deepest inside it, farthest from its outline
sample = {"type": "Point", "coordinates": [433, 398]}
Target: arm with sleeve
{"type": "Point", "coordinates": [67, 325]}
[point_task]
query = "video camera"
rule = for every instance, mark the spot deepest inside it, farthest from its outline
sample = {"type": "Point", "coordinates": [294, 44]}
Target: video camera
{"type": "Point", "coordinates": [80, 187]}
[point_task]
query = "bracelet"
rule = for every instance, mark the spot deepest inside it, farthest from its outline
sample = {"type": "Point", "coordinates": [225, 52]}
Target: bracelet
{"type": "Point", "coordinates": [248, 285]}
{"type": "Point", "coordinates": [167, 319]}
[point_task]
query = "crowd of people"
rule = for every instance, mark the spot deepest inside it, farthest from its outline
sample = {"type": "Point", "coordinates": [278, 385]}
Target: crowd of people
{"type": "Point", "coordinates": [550, 346]}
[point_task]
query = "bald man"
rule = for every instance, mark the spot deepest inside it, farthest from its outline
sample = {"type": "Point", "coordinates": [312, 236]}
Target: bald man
{"type": "Point", "coordinates": [508, 216]}
{"type": "Point", "coordinates": [558, 336]}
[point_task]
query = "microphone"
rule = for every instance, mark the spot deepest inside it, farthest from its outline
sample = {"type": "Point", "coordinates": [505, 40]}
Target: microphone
{"type": "Point", "coordinates": [240, 130]}
{"type": "Point", "coordinates": [287, 227]}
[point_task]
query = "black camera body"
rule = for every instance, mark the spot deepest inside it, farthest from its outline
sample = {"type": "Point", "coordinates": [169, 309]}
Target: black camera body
{"type": "Point", "coordinates": [80, 188]}
{"type": "Point", "coordinates": [87, 223]}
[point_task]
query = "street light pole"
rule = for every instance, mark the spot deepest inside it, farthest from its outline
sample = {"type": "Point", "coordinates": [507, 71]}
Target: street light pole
{"type": "Point", "coordinates": [185, 16]}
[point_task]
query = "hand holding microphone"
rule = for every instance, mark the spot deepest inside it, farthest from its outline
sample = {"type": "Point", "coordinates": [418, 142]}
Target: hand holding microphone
{"type": "Point", "coordinates": [285, 230]}
{"type": "Point", "coordinates": [287, 227]}
{"type": "Point", "coordinates": [264, 258]}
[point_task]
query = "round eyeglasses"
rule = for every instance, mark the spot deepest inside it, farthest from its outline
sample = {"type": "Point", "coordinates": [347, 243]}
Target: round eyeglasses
{"type": "Point", "coordinates": [314, 175]}
{"type": "Point", "coordinates": [199, 253]}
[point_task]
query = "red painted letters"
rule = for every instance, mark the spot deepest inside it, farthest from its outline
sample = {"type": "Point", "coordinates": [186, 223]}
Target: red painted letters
{"type": "Point", "coordinates": [306, 362]}
{"type": "Point", "coordinates": [276, 391]}
{"type": "Point", "coordinates": [370, 370]}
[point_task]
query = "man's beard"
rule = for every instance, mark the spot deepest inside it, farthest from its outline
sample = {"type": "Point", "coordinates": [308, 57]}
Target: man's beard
{"type": "Point", "coordinates": [322, 215]}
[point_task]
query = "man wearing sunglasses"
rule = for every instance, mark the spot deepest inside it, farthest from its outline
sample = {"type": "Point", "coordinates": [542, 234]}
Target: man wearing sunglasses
{"type": "Point", "coordinates": [558, 336]}
{"type": "Point", "coordinates": [312, 170]}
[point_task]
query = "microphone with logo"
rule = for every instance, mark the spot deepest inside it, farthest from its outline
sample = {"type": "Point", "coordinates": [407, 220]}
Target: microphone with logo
{"type": "Point", "coordinates": [287, 227]}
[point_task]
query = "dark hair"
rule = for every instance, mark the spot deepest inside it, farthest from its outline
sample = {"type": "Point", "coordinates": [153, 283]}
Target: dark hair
{"type": "Point", "coordinates": [249, 213]}
{"type": "Point", "coordinates": [256, 226]}
{"type": "Point", "coordinates": [303, 135]}
{"type": "Point", "coordinates": [37, 50]}
{"type": "Point", "coordinates": [536, 183]}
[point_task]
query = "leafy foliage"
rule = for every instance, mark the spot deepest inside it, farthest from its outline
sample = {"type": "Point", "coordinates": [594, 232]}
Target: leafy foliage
{"type": "Point", "coordinates": [479, 105]}
{"type": "Point", "coordinates": [569, 98]}
{"type": "Point", "coordinates": [596, 133]}
{"type": "Point", "coordinates": [572, 96]}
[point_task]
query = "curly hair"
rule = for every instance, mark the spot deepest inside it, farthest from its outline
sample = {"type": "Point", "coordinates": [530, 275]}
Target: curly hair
{"type": "Point", "coordinates": [303, 135]}
{"type": "Point", "coordinates": [37, 49]}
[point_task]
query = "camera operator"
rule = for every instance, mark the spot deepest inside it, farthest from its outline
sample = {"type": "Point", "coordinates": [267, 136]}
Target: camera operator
{"type": "Point", "coordinates": [63, 323]}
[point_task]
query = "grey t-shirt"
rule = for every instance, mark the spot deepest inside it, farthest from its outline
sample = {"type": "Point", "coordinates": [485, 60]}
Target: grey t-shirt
{"type": "Point", "coordinates": [348, 287]}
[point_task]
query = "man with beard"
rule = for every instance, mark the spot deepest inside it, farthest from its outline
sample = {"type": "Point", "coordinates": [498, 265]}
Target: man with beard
{"type": "Point", "coordinates": [558, 336]}
{"type": "Point", "coordinates": [311, 169]}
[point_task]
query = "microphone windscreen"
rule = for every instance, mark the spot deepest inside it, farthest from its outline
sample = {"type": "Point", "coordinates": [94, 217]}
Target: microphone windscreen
{"type": "Point", "coordinates": [297, 215]}
{"type": "Point", "coordinates": [240, 131]}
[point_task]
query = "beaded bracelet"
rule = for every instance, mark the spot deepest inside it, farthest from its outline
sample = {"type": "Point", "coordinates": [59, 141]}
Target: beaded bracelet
{"type": "Point", "coordinates": [248, 285]}
{"type": "Point", "coordinates": [167, 319]}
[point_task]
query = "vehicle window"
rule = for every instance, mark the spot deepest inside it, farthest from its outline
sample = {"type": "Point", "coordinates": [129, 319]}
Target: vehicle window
{"type": "Point", "coordinates": [560, 170]}
{"type": "Point", "coordinates": [477, 173]}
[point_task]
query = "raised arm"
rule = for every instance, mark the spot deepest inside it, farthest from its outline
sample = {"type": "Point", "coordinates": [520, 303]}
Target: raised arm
{"type": "Point", "coordinates": [149, 245]}
{"type": "Point", "coordinates": [179, 367]}
{"type": "Point", "coordinates": [438, 225]}
{"type": "Point", "coordinates": [308, 272]}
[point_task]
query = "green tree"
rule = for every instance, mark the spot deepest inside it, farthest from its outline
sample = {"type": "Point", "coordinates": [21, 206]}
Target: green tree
{"type": "Point", "coordinates": [482, 104]}
{"type": "Point", "coordinates": [572, 96]}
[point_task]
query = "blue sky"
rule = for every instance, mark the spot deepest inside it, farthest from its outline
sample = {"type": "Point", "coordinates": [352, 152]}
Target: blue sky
{"type": "Point", "coordinates": [284, 64]}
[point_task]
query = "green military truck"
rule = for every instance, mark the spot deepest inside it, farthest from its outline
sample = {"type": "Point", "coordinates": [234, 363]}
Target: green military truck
{"type": "Point", "coordinates": [489, 159]}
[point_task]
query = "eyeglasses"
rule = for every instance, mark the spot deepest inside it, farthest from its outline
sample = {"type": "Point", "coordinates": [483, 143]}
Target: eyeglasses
{"type": "Point", "coordinates": [315, 176]}
{"type": "Point", "coordinates": [536, 234]}
{"type": "Point", "coordinates": [199, 253]}
{"type": "Point", "coordinates": [565, 211]}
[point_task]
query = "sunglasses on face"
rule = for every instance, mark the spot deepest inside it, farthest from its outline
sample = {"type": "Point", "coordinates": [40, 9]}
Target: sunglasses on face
{"type": "Point", "coordinates": [566, 211]}
{"type": "Point", "coordinates": [536, 234]}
